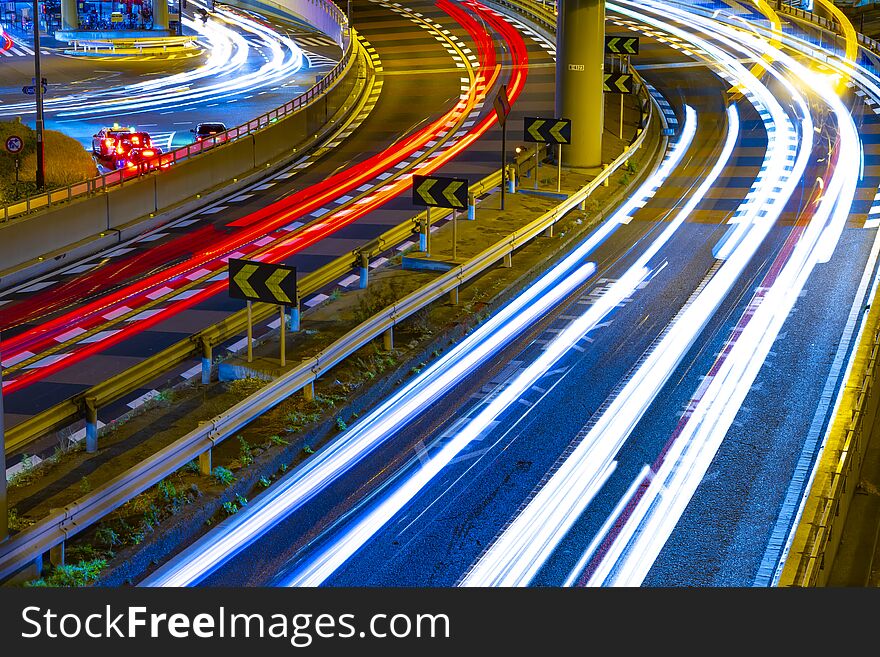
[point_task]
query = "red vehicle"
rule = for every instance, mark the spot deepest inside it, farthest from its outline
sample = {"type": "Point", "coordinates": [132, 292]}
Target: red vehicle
{"type": "Point", "coordinates": [142, 158]}
{"type": "Point", "coordinates": [134, 148]}
{"type": "Point", "coordinates": [104, 141]}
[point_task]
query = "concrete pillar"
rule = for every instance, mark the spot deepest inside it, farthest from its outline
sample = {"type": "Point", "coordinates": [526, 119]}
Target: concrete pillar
{"type": "Point", "coordinates": [207, 351]}
{"type": "Point", "coordinates": [160, 14]}
{"type": "Point", "coordinates": [91, 426]}
{"type": "Point", "coordinates": [309, 391]}
{"type": "Point", "coordinates": [388, 339]}
{"type": "Point", "coordinates": [205, 463]}
{"type": "Point", "coordinates": [580, 49]}
{"type": "Point", "coordinates": [69, 17]}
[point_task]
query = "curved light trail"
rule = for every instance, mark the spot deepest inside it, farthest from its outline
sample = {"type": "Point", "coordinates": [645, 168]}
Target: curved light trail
{"type": "Point", "coordinates": [224, 74]}
{"type": "Point", "coordinates": [668, 487]}
{"type": "Point", "coordinates": [21, 349]}
{"type": "Point", "coordinates": [365, 435]}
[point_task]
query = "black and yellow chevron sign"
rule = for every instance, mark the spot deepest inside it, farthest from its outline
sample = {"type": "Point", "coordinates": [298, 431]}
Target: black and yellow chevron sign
{"type": "Point", "coordinates": [546, 131]}
{"type": "Point", "coordinates": [621, 45]}
{"type": "Point", "coordinates": [262, 281]}
{"type": "Point", "coordinates": [435, 191]}
{"type": "Point", "coordinates": [618, 83]}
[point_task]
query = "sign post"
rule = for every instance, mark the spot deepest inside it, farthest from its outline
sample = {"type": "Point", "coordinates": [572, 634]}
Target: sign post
{"type": "Point", "coordinates": [502, 109]}
{"type": "Point", "coordinates": [262, 281]}
{"type": "Point", "coordinates": [548, 131]}
{"type": "Point", "coordinates": [14, 144]}
{"type": "Point", "coordinates": [439, 192]}
{"type": "Point", "coordinates": [622, 47]}
{"type": "Point", "coordinates": [618, 83]}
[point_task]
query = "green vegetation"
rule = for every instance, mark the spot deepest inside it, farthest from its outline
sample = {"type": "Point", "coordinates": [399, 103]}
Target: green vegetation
{"type": "Point", "coordinates": [340, 424]}
{"type": "Point", "coordinates": [245, 454]}
{"type": "Point", "coordinates": [376, 297]}
{"type": "Point", "coordinates": [245, 387]}
{"type": "Point", "coordinates": [65, 162]}
{"type": "Point", "coordinates": [222, 476]}
{"type": "Point", "coordinates": [83, 573]}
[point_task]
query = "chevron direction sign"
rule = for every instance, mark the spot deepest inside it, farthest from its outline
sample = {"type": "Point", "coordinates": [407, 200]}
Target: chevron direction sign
{"type": "Point", "coordinates": [546, 131]}
{"type": "Point", "coordinates": [618, 83]}
{"type": "Point", "coordinates": [620, 45]}
{"type": "Point", "coordinates": [434, 191]}
{"type": "Point", "coordinates": [262, 281]}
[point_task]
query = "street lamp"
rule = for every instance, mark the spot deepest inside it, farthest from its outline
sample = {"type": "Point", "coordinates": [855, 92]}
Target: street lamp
{"type": "Point", "coordinates": [38, 94]}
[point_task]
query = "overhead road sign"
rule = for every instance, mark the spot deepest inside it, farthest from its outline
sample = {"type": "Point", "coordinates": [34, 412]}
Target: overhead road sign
{"type": "Point", "coordinates": [617, 83]}
{"type": "Point", "coordinates": [621, 45]}
{"type": "Point", "coordinates": [262, 281]}
{"type": "Point", "coordinates": [546, 131]}
{"type": "Point", "coordinates": [440, 192]}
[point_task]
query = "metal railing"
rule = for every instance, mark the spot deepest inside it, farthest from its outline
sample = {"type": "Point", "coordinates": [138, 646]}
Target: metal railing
{"type": "Point", "coordinates": [62, 524]}
{"type": "Point", "coordinates": [824, 524]}
{"type": "Point", "coordinates": [161, 163]}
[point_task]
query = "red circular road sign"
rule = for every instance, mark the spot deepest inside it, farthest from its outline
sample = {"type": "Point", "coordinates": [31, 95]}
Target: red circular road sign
{"type": "Point", "coordinates": [14, 144]}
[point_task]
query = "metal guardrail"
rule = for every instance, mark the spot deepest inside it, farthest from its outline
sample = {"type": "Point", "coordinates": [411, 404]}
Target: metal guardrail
{"type": "Point", "coordinates": [848, 464]}
{"type": "Point", "coordinates": [62, 524]}
{"type": "Point", "coordinates": [137, 43]}
{"type": "Point", "coordinates": [106, 392]}
{"type": "Point", "coordinates": [161, 162]}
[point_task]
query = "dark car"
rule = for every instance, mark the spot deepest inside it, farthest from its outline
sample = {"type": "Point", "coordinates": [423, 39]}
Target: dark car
{"type": "Point", "coordinates": [204, 130]}
{"type": "Point", "coordinates": [105, 140]}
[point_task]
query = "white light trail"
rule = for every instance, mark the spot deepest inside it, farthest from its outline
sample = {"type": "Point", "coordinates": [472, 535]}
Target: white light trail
{"type": "Point", "coordinates": [222, 76]}
{"type": "Point", "coordinates": [334, 460]}
{"type": "Point", "coordinates": [498, 566]}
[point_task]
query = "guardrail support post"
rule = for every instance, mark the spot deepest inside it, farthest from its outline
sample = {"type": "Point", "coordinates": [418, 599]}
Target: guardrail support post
{"type": "Point", "coordinates": [293, 322]}
{"type": "Point", "coordinates": [453, 296]}
{"type": "Point", "coordinates": [511, 180]}
{"type": "Point", "coordinates": [549, 231]}
{"type": "Point", "coordinates": [364, 261]}
{"type": "Point", "coordinates": [508, 260]}
{"type": "Point", "coordinates": [250, 333]}
{"type": "Point", "coordinates": [91, 425]}
{"type": "Point", "coordinates": [207, 351]}
{"type": "Point", "coordinates": [56, 555]}
{"type": "Point", "coordinates": [388, 339]}
{"type": "Point", "coordinates": [472, 207]}
{"type": "Point", "coordinates": [309, 391]}
{"type": "Point", "coordinates": [282, 335]}
{"type": "Point", "coordinates": [205, 463]}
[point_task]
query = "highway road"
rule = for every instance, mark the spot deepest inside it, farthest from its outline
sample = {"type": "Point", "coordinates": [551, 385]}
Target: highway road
{"type": "Point", "coordinates": [245, 65]}
{"type": "Point", "coordinates": [658, 426]}
{"type": "Point", "coordinates": [90, 320]}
